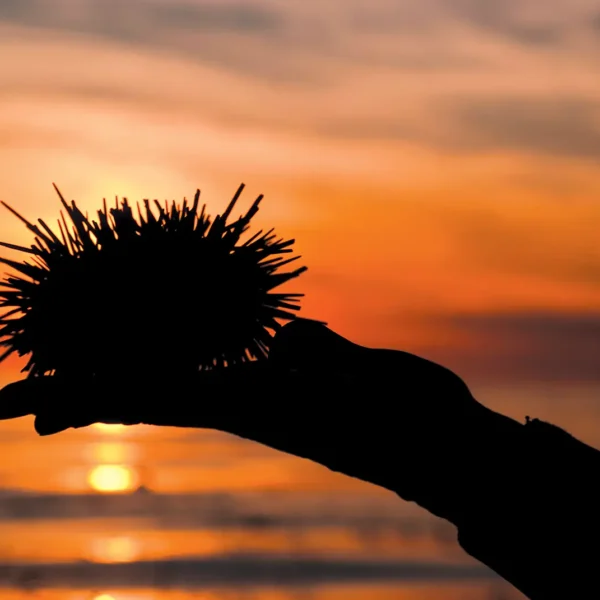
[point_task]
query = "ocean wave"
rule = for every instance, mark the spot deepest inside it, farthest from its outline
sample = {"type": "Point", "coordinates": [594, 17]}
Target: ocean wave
{"type": "Point", "coordinates": [229, 570]}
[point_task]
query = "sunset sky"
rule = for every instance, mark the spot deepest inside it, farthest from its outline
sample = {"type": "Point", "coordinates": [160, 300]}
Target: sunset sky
{"type": "Point", "coordinates": [436, 161]}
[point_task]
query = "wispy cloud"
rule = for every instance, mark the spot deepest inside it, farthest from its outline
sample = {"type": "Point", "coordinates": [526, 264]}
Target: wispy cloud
{"type": "Point", "coordinates": [567, 127]}
{"type": "Point", "coordinates": [529, 345]}
{"type": "Point", "coordinates": [458, 76]}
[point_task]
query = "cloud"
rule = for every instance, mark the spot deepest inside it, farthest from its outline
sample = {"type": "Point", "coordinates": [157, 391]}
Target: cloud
{"type": "Point", "coordinates": [525, 345]}
{"type": "Point", "coordinates": [516, 20]}
{"type": "Point", "coordinates": [529, 124]}
{"type": "Point", "coordinates": [539, 25]}
{"type": "Point", "coordinates": [446, 75]}
{"type": "Point", "coordinates": [431, 34]}
{"type": "Point", "coordinates": [563, 127]}
{"type": "Point", "coordinates": [136, 19]}
{"type": "Point", "coordinates": [236, 36]}
{"type": "Point", "coordinates": [239, 17]}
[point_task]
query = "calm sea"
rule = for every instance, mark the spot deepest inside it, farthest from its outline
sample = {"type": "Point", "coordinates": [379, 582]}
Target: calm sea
{"type": "Point", "coordinates": [115, 513]}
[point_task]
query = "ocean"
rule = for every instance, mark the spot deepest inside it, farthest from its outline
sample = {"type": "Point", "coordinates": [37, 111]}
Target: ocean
{"type": "Point", "coordinates": [141, 513]}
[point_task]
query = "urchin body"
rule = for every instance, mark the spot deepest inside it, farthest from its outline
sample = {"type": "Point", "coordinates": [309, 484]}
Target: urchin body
{"type": "Point", "coordinates": [164, 290]}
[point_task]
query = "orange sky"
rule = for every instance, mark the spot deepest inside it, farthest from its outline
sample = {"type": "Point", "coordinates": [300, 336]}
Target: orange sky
{"type": "Point", "coordinates": [437, 164]}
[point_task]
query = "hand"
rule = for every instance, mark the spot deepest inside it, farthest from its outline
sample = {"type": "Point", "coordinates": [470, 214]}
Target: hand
{"type": "Point", "coordinates": [318, 396]}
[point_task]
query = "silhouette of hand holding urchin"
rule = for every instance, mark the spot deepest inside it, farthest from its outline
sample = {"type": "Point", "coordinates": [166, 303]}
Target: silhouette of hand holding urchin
{"type": "Point", "coordinates": [520, 495]}
{"type": "Point", "coordinates": [318, 396]}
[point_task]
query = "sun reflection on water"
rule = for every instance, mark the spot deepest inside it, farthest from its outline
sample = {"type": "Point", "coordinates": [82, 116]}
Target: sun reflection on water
{"type": "Point", "coordinates": [115, 550]}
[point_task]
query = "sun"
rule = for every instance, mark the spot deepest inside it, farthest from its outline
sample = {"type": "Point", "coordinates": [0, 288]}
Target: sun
{"type": "Point", "coordinates": [112, 478]}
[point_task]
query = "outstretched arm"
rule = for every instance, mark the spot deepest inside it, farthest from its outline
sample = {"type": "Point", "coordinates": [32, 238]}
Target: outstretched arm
{"type": "Point", "coordinates": [522, 496]}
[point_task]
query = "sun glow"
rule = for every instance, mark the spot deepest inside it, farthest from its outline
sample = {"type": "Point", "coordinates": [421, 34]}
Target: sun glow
{"type": "Point", "coordinates": [110, 428]}
{"type": "Point", "coordinates": [112, 478]}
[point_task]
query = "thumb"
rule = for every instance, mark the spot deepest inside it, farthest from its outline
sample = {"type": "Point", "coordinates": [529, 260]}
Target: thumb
{"type": "Point", "coordinates": [309, 345]}
{"type": "Point", "coordinates": [50, 400]}
{"type": "Point", "coordinates": [63, 404]}
{"type": "Point", "coordinates": [312, 346]}
{"type": "Point", "coordinates": [50, 422]}
{"type": "Point", "coordinates": [21, 398]}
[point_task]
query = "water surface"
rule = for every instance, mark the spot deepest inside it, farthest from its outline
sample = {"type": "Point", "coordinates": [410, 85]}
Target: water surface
{"type": "Point", "coordinates": [116, 513]}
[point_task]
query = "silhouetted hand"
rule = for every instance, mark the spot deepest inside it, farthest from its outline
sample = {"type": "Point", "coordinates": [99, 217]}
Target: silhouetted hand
{"type": "Point", "coordinates": [318, 396]}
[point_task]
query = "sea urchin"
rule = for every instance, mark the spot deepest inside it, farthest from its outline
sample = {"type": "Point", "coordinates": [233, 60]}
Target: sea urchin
{"type": "Point", "coordinates": [168, 289]}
